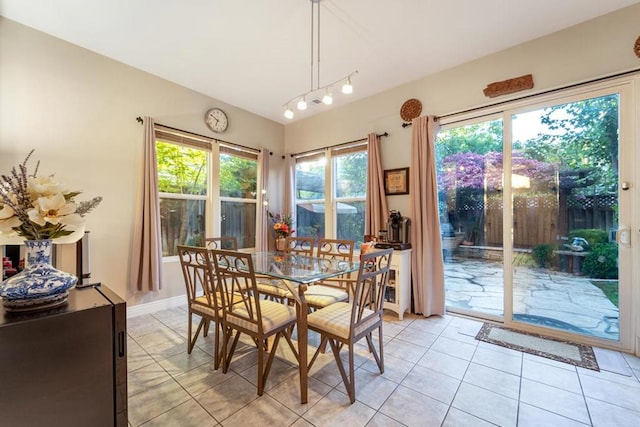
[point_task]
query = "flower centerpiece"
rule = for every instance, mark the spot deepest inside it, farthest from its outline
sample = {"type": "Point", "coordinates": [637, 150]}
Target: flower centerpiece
{"type": "Point", "coordinates": [282, 226]}
{"type": "Point", "coordinates": [38, 210]}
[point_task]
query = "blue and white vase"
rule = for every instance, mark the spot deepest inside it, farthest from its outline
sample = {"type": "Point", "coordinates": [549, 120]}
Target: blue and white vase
{"type": "Point", "coordinates": [39, 285]}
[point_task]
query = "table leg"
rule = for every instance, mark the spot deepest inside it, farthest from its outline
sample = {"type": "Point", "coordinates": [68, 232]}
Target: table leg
{"type": "Point", "coordinates": [301, 312]}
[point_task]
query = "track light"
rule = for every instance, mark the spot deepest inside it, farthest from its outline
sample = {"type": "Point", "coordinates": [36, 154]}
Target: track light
{"type": "Point", "coordinates": [347, 88]}
{"type": "Point", "coordinates": [327, 99]}
{"type": "Point", "coordinates": [288, 113]}
{"type": "Point", "coordinates": [302, 104]}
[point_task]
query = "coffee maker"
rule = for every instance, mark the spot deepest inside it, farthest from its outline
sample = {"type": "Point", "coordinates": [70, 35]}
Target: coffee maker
{"type": "Point", "coordinates": [397, 232]}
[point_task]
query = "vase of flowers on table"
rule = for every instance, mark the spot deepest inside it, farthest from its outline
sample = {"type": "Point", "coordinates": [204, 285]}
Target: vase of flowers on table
{"type": "Point", "coordinates": [39, 211]}
{"type": "Point", "coordinates": [282, 226]}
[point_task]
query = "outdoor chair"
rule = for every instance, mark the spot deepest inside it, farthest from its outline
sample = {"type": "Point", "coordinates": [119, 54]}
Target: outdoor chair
{"type": "Point", "coordinates": [343, 324]}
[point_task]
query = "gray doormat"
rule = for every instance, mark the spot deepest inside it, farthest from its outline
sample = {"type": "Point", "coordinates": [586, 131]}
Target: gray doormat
{"type": "Point", "coordinates": [551, 348]}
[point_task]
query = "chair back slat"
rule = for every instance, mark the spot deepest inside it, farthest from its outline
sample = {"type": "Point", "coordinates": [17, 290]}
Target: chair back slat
{"type": "Point", "coordinates": [198, 274]}
{"type": "Point", "coordinates": [335, 249]}
{"type": "Point", "coordinates": [300, 245]}
{"type": "Point", "coordinates": [368, 298]}
{"type": "Point", "coordinates": [229, 243]}
{"type": "Point", "coordinates": [237, 280]}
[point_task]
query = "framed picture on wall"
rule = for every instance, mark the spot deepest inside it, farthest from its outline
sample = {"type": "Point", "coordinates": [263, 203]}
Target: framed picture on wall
{"type": "Point", "coordinates": [396, 181]}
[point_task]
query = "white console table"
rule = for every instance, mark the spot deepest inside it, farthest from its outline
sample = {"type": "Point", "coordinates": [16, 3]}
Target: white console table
{"type": "Point", "coordinates": [398, 292]}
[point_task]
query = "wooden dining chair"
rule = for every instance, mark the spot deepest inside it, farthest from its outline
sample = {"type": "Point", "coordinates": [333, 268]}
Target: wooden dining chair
{"type": "Point", "coordinates": [259, 318]}
{"type": "Point", "coordinates": [343, 324]}
{"type": "Point", "coordinates": [274, 289]}
{"type": "Point", "coordinates": [330, 291]}
{"type": "Point", "coordinates": [202, 298]}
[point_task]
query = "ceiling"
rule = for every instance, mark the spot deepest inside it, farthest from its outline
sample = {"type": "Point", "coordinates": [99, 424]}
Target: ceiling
{"type": "Point", "coordinates": [256, 54]}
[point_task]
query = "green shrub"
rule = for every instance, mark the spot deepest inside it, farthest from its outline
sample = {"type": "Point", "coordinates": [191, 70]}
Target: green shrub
{"type": "Point", "coordinates": [543, 255]}
{"type": "Point", "coordinates": [602, 261]}
{"type": "Point", "coordinates": [592, 235]}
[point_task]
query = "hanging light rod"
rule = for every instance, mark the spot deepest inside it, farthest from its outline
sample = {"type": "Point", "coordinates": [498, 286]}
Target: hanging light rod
{"type": "Point", "coordinates": [321, 94]}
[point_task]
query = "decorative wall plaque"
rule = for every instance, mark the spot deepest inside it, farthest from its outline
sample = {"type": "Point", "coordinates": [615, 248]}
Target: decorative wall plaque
{"type": "Point", "coordinates": [506, 87]}
{"type": "Point", "coordinates": [636, 47]}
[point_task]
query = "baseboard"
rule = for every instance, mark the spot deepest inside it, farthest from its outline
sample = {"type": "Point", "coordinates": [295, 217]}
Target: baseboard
{"type": "Point", "coordinates": [152, 307]}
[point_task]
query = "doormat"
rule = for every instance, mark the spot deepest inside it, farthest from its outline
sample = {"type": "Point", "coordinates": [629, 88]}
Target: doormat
{"type": "Point", "coordinates": [551, 348]}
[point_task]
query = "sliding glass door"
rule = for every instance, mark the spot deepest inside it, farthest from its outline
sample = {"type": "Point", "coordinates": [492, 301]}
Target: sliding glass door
{"type": "Point", "coordinates": [535, 218]}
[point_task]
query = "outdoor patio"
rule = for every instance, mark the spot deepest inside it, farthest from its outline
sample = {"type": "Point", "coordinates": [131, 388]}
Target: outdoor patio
{"type": "Point", "coordinates": [550, 298]}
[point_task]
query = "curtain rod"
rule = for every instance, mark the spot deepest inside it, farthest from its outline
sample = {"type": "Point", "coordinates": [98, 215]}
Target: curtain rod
{"type": "Point", "coordinates": [140, 120]}
{"type": "Point", "coordinates": [337, 145]}
{"type": "Point", "coordinates": [546, 92]}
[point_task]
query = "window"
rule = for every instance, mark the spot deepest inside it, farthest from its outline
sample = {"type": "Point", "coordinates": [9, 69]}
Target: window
{"type": "Point", "coordinates": [183, 191]}
{"type": "Point", "coordinates": [188, 166]}
{"type": "Point", "coordinates": [238, 195]}
{"type": "Point", "coordinates": [346, 184]}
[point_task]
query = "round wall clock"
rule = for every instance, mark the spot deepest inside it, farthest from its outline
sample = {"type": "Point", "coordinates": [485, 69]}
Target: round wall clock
{"type": "Point", "coordinates": [636, 47]}
{"type": "Point", "coordinates": [410, 109]}
{"type": "Point", "coordinates": [216, 119]}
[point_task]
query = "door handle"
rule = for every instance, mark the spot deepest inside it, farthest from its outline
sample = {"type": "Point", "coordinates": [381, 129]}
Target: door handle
{"type": "Point", "coordinates": [623, 237]}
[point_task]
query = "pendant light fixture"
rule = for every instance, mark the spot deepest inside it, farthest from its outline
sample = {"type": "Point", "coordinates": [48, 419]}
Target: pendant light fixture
{"type": "Point", "coordinates": [313, 95]}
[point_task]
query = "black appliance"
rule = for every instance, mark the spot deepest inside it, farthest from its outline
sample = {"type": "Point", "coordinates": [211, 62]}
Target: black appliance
{"type": "Point", "coordinates": [397, 232]}
{"type": "Point", "coordinates": [66, 366]}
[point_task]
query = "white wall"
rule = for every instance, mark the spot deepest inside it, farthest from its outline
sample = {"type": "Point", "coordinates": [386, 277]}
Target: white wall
{"type": "Point", "coordinates": [78, 110]}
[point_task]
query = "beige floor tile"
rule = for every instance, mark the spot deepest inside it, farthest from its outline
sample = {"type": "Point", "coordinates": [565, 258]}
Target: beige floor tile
{"type": "Point", "coordinates": [458, 418]}
{"type": "Point", "coordinates": [551, 375]}
{"type": "Point", "coordinates": [372, 389]}
{"type": "Point", "coordinates": [414, 409]}
{"type": "Point", "coordinates": [137, 357]}
{"type": "Point", "coordinates": [183, 362]}
{"type": "Point", "coordinates": [458, 335]}
{"type": "Point", "coordinates": [188, 414]}
{"type": "Point", "coordinates": [486, 405]}
{"type": "Point", "coordinates": [288, 393]}
{"type": "Point", "coordinates": [142, 325]}
{"type": "Point", "coordinates": [301, 422]}
{"type": "Point", "coordinates": [390, 329]}
{"type": "Point", "coordinates": [394, 369]}
{"type": "Point", "coordinates": [530, 416]}
{"type": "Point", "coordinates": [417, 337]}
{"type": "Point", "coordinates": [499, 349]}
{"type": "Point", "coordinates": [607, 415]}
{"type": "Point", "coordinates": [433, 384]}
{"type": "Point", "coordinates": [404, 350]}
{"type": "Point", "coordinates": [155, 401]}
{"type": "Point", "coordinates": [280, 371]}
{"type": "Point", "coordinates": [146, 377]}
{"type": "Point", "coordinates": [381, 420]}
{"type": "Point", "coordinates": [631, 381]}
{"type": "Point", "coordinates": [454, 348]}
{"type": "Point", "coordinates": [633, 361]}
{"type": "Point", "coordinates": [611, 392]}
{"type": "Point", "coordinates": [197, 381]}
{"type": "Point", "coordinates": [498, 360]}
{"type": "Point", "coordinates": [546, 361]}
{"type": "Point", "coordinates": [494, 380]}
{"type": "Point", "coordinates": [426, 325]}
{"type": "Point", "coordinates": [262, 411]}
{"type": "Point", "coordinates": [567, 404]}
{"type": "Point", "coordinates": [334, 409]}
{"type": "Point", "coordinates": [227, 398]}
{"type": "Point", "coordinates": [444, 363]}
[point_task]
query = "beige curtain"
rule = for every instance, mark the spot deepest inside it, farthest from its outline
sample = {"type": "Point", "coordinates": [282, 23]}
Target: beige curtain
{"type": "Point", "coordinates": [427, 267]}
{"type": "Point", "coordinates": [376, 201]}
{"type": "Point", "coordinates": [289, 207]}
{"type": "Point", "coordinates": [146, 257]}
{"type": "Point", "coordinates": [263, 220]}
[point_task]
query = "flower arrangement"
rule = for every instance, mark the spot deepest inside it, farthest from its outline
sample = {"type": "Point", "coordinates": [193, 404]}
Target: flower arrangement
{"type": "Point", "coordinates": [39, 208]}
{"type": "Point", "coordinates": [281, 224]}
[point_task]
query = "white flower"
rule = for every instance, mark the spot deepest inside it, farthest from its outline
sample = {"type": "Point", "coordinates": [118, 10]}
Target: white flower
{"type": "Point", "coordinates": [54, 210]}
{"type": "Point", "coordinates": [43, 186]}
{"type": "Point", "coordinates": [8, 219]}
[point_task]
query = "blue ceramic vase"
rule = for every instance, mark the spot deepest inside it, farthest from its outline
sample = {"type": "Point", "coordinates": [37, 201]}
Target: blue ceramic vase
{"type": "Point", "coordinates": [39, 285]}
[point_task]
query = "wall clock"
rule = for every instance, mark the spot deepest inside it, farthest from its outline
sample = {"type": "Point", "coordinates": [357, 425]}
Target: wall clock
{"type": "Point", "coordinates": [410, 109]}
{"type": "Point", "coordinates": [216, 119]}
{"type": "Point", "coordinates": [636, 47]}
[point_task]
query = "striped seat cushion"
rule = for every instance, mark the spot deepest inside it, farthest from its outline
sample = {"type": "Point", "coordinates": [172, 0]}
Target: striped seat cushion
{"type": "Point", "coordinates": [323, 296]}
{"type": "Point", "coordinates": [274, 315]}
{"type": "Point", "coordinates": [273, 287]}
{"type": "Point", "coordinates": [201, 306]}
{"type": "Point", "coordinates": [336, 320]}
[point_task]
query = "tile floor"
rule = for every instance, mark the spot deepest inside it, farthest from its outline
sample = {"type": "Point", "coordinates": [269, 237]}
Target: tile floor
{"type": "Point", "coordinates": [436, 374]}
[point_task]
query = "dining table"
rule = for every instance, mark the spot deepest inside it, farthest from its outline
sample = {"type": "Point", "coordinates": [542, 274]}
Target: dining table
{"type": "Point", "coordinates": [297, 272]}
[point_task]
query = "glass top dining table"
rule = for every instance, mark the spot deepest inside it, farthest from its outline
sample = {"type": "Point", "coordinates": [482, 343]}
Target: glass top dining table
{"type": "Point", "coordinates": [296, 272]}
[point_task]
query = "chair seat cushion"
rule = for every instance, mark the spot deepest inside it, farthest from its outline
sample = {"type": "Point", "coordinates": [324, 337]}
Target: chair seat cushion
{"type": "Point", "coordinates": [201, 307]}
{"type": "Point", "coordinates": [274, 316]}
{"type": "Point", "coordinates": [323, 296]}
{"type": "Point", "coordinates": [336, 320]}
{"type": "Point", "coordinates": [273, 287]}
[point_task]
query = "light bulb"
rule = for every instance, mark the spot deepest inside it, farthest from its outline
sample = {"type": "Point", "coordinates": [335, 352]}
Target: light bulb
{"type": "Point", "coordinates": [347, 88]}
{"type": "Point", "coordinates": [302, 104]}
{"type": "Point", "coordinates": [327, 98]}
{"type": "Point", "coordinates": [288, 113]}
